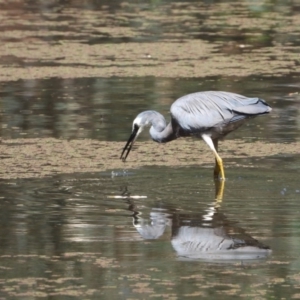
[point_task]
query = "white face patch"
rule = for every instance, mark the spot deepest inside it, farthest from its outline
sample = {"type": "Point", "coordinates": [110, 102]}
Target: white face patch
{"type": "Point", "coordinates": [139, 122]}
{"type": "Point", "coordinates": [140, 128]}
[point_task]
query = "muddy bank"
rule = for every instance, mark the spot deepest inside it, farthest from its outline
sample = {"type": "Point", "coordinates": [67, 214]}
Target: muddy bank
{"type": "Point", "coordinates": [26, 158]}
{"type": "Point", "coordinates": [167, 40]}
{"type": "Point", "coordinates": [173, 59]}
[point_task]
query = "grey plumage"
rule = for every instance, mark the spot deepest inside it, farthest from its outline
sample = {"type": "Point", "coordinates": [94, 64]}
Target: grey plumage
{"type": "Point", "coordinates": [210, 115]}
{"type": "Point", "coordinates": [214, 110]}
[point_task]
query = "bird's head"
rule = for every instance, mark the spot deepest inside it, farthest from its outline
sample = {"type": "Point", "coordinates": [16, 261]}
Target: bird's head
{"type": "Point", "coordinates": [141, 121]}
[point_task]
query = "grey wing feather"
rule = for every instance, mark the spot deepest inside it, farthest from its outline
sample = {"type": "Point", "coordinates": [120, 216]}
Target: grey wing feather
{"type": "Point", "coordinates": [257, 107]}
{"type": "Point", "coordinates": [205, 110]}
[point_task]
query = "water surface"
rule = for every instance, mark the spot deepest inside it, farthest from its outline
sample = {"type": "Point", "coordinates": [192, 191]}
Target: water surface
{"type": "Point", "coordinates": [104, 108]}
{"type": "Point", "coordinates": [74, 235]}
{"type": "Point", "coordinates": [148, 232]}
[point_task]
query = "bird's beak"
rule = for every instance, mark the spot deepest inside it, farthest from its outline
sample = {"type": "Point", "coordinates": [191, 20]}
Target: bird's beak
{"type": "Point", "coordinates": [130, 143]}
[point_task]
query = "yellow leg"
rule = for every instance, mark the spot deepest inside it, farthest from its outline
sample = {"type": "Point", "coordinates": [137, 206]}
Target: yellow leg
{"type": "Point", "coordinates": [219, 162]}
{"type": "Point", "coordinates": [216, 170]}
{"type": "Point", "coordinates": [219, 184]}
{"type": "Point", "coordinates": [213, 145]}
{"type": "Point", "coordinates": [219, 169]}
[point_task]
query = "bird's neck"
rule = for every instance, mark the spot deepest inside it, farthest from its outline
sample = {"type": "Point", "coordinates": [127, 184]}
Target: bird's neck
{"type": "Point", "coordinates": [162, 135]}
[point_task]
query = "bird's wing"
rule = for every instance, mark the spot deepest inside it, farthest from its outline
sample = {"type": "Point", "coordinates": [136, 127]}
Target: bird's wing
{"type": "Point", "coordinates": [203, 110]}
{"type": "Point", "coordinates": [253, 106]}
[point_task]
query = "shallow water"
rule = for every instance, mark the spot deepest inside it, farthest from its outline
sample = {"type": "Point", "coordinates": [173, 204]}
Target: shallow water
{"type": "Point", "coordinates": [74, 235]}
{"type": "Point", "coordinates": [104, 108]}
{"type": "Point", "coordinates": [150, 232]}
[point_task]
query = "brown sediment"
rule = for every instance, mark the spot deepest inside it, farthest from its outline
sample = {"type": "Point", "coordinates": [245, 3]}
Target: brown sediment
{"type": "Point", "coordinates": [35, 48]}
{"type": "Point", "coordinates": [26, 158]}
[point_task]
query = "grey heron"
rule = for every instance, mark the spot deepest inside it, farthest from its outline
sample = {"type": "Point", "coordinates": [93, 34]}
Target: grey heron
{"type": "Point", "coordinates": [210, 115]}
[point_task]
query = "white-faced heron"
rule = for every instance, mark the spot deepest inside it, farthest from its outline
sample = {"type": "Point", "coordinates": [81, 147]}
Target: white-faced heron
{"type": "Point", "coordinates": [210, 115]}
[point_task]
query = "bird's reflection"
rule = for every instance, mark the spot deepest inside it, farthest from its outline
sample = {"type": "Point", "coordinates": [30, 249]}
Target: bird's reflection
{"type": "Point", "coordinates": [207, 234]}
